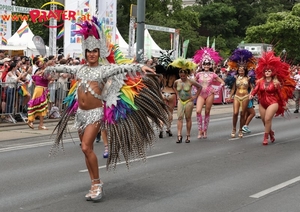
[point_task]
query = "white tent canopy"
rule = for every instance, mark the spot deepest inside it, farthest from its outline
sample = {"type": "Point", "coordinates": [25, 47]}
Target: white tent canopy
{"type": "Point", "coordinates": [24, 42]}
{"type": "Point", "coordinates": [150, 47]}
{"type": "Point", "coordinates": [123, 46]}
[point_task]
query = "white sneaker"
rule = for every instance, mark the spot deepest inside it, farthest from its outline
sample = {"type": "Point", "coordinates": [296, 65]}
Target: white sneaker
{"type": "Point", "coordinates": [246, 129]}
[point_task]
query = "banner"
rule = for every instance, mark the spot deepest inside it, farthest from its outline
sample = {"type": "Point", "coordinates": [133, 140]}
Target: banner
{"type": "Point", "coordinates": [171, 39]}
{"type": "Point", "coordinates": [207, 42]}
{"type": "Point", "coordinates": [184, 48]}
{"type": "Point", "coordinates": [72, 42]}
{"type": "Point", "coordinates": [40, 45]}
{"type": "Point", "coordinates": [213, 45]}
{"type": "Point", "coordinates": [218, 97]}
{"type": "Point", "coordinates": [147, 46]}
{"type": "Point", "coordinates": [107, 13]}
{"type": "Point", "coordinates": [5, 25]}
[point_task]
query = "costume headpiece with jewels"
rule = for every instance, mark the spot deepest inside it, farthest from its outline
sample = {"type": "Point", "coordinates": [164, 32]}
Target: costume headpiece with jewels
{"type": "Point", "coordinates": [207, 55]}
{"type": "Point", "coordinates": [241, 57]}
{"type": "Point", "coordinates": [93, 36]}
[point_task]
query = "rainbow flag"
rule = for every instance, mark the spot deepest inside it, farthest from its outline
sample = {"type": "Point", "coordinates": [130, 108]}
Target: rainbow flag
{"type": "Point", "coordinates": [61, 33]}
{"type": "Point", "coordinates": [3, 41]}
{"type": "Point", "coordinates": [23, 30]}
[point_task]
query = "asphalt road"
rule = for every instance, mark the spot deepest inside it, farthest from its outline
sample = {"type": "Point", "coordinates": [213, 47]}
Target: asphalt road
{"type": "Point", "coordinates": [217, 174]}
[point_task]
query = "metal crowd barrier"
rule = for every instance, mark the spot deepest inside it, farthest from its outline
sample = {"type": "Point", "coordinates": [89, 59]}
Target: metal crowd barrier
{"type": "Point", "coordinates": [14, 105]}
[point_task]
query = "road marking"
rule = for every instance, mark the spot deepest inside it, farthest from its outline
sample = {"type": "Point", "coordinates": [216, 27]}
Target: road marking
{"type": "Point", "coordinates": [275, 188]}
{"type": "Point", "coordinates": [123, 162]}
{"type": "Point", "coordinates": [28, 146]}
{"type": "Point", "coordinates": [248, 135]}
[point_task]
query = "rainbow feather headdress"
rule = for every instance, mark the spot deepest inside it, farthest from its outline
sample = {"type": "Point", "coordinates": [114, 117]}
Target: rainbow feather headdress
{"type": "Point", "coordinates": [93, 35]}
{"type": "Point", "coordinates": [242, 57]}
{"type": "Point", "coordinates": [207, 55]}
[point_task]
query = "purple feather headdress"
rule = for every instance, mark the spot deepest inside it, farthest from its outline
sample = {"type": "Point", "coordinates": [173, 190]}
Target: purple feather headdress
{"type": "Point", "coordinates": [241, 57]}
{"type": "Point", "coordinates": [207, 55]}
{"type": "Point", "coordinates": [93, 36]}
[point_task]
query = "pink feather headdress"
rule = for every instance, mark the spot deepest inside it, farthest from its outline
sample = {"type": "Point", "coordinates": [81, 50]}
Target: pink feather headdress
{"type": "Point", "coordinates": [93, 36]}
{"type": "Point", "coordinates": [207, 55]}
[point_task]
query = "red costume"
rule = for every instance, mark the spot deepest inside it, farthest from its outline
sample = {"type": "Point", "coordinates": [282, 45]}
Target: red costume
{"type": "Point", "coordinates": [269, 93]}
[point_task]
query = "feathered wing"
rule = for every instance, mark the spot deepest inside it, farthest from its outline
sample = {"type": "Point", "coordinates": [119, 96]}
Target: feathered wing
{"type": "Point", "coordinates": [71, 104]}
{"type": "Point", "coordinates": [130, 121]}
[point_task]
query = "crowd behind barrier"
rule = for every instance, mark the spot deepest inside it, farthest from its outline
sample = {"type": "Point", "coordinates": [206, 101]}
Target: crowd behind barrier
{"type": "Point", "coordinates": [13, 107]}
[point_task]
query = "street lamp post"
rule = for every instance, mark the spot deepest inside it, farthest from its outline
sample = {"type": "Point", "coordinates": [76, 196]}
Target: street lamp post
{"type": "Point", "coordinates": [14, 4]}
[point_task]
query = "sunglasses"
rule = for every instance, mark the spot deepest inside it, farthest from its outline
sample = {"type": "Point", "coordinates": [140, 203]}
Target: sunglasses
{"type": "Point", "coordinates": [183, 71]}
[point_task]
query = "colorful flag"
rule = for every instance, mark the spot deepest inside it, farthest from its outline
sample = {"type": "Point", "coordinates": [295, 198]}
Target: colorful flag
{"type": "Point", "coordinates": [61, 33]}
{"type": "Point", "coordinates": [207, 42]}
{"type": "Point", "coordinates": [3, 41]}
{"type": "Point", "coordinates": [23, 30]}
{"type": "Point", "coordinates": [87, 3]}
{"type": "Point", "coordinates": [185, 47]}
{"type": "Point", "coordinates": [213, 45]}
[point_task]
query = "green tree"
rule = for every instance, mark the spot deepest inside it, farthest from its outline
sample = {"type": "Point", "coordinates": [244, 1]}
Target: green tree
{"type": "Point", "coordinates": [37, 28]}
{"type": "Point", "coordinates": [281, 30]}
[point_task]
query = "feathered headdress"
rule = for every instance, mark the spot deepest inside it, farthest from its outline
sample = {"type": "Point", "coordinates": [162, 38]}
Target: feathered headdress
{"type": "Point", "coordinates": [241, 57]}
{"type": "Point", "coordinates": [93, 36]}
{"type": "Point", "coordinates": [207, 55]}
{"type": "Point", "coordinates": [280, 70]}
{"type": "Point", "coordinates": [165, 58]}
{"type": "Point", "coordinates": [183, 64]}
{"type": "Point", "coordinates": [163, 62]}
{"type": "Point", "coordinates": [270, 61]}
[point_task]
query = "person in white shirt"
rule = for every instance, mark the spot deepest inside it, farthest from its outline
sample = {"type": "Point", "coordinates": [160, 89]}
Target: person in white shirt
{"type": "Point", "coordinates": [297, 91]}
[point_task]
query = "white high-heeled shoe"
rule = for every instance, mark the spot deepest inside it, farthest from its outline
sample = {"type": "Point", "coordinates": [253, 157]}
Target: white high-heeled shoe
{"type": "Point", "coordinates": [97, 192]}
{"type": "Point", "coordinates": [88, 196]}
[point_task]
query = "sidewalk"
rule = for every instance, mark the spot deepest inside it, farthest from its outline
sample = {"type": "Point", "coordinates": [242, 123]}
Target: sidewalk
{"type": "Point", "coordinates": [11, 131]}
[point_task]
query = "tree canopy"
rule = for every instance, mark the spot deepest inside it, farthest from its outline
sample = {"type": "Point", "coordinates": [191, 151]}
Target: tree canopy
{"type": "Point", "coordinates": [227, 21]}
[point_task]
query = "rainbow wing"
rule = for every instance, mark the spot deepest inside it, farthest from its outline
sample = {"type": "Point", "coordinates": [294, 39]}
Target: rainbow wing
{"type": "Point", "coordinates": [129, 122]}
{"type": "Point", "coordinates": [71, 107]}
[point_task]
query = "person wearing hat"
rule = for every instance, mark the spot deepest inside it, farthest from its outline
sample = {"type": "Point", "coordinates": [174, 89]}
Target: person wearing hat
{"type": "Point", "coordinates": [241, 61]}
{"type": "Point", "coordinates": [183, 90]}
{"type": "Point", "coordinates": [206, 58]}
{"type": "Point", "coordinates": [274, 87]}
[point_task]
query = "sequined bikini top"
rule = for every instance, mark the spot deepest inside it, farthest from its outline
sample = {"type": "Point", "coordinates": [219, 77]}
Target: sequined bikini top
{"type": "Point", "coordinates": [88, 74]}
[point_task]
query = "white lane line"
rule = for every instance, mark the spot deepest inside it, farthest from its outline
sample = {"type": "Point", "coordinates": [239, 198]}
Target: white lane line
{"type": "Point", "coordinates": [275, 188]}
{"type": "Point", "coordinates": [152, 156]}
{"type": "Point", "coordinates": [246, 136]}
{"type": "Point", "coordinates": [13, 148]}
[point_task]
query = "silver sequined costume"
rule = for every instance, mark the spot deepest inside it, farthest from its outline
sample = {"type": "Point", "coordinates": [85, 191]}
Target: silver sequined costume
{"type": "Point", "coordinates": [132, 135]}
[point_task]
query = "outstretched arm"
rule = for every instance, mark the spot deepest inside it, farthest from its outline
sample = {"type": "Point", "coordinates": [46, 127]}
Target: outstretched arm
{"type": "Point", "coordinates": [62, 69]}
{"type": "Point", "coordinates": [130, 69]}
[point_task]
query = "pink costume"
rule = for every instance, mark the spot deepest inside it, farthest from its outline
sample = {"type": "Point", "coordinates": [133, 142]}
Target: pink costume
{"type": "Point", "coordinates": [206, 79]}
{"type": "Point", "coordinates": [38, 105]}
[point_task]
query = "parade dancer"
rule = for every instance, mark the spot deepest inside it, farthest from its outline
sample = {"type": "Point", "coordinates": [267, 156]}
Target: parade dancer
{"type": "Point", "coordinates": [183, 89]}
{"type": "Point", "coordinates": [169, 75]}
{"type": "Point", "coordinates": [241, 61]}
{"type": "Point", "coordinates": [206, 58]}
{"type": "Point", "coordinates": [273, 88]}
{"type": "Point", "coordinates": [120, 99]}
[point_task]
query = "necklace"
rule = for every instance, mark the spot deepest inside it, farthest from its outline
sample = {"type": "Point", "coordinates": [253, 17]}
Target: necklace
{"type": "Point", "coordinates": [205, 74]}
{"type": "Point", "coordinates": [240, 77]}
